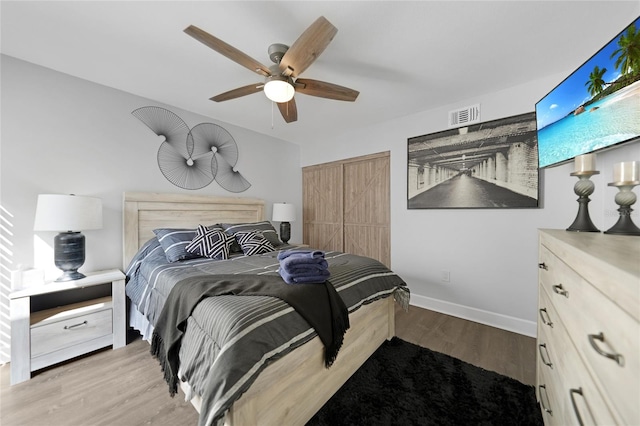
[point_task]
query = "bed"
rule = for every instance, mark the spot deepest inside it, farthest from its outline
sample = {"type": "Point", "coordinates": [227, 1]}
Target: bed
{"type": "Point", "coordinates": [290, 386]}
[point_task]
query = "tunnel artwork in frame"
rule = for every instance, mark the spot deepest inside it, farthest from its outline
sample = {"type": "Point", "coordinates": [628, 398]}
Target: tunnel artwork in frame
{"type": "Point", "coordinates": [485, 165]}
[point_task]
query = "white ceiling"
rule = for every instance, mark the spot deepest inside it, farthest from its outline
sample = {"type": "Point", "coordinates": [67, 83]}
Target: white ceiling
{"type": "Point", "coordinates": [404, 57]}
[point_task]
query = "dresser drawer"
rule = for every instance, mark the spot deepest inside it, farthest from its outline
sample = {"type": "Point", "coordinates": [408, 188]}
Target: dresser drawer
{"type": "Point", "coordinates": [569, 384]}
{"type": "Point", "coordinates": [56, 335]}
{"type": "Point", "coordinates": [598, 327]}
{"type": "Point", "coordinates": [551, 346]}
{"type": "Point", "coordinates": [553, 412]}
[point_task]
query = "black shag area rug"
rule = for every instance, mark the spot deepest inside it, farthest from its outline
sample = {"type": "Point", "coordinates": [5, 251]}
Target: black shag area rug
{"type": "Point", "coordinates": [405, 384]}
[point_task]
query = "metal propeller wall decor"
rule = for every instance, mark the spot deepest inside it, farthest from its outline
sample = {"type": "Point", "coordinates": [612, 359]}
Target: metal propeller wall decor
{"type": "Point", "coordinates": [193, 158]}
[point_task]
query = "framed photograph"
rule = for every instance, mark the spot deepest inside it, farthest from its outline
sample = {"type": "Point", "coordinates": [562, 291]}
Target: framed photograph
{"type": "Point", "coordinates": [486, 165]}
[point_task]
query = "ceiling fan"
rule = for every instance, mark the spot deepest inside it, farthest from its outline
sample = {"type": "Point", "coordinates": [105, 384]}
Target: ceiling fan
{"type": "Point", "coordinates": [281, 80]}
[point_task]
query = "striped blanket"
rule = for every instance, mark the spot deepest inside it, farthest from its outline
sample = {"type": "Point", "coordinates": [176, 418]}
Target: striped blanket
{"type": "Point", "coordinates": [229, 340]}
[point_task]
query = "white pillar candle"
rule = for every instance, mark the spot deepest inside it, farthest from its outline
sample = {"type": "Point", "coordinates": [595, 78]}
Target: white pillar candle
{"type": "Point", "coordinates": [586, 163]}
{"type": "Point", "coordinates": [628, 171]}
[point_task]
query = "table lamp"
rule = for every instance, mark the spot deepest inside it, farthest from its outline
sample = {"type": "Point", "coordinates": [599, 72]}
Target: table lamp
{"type": "Point", "coordinates": [68, 214]}
{"type": "Point", "coordinates": [284, 213]}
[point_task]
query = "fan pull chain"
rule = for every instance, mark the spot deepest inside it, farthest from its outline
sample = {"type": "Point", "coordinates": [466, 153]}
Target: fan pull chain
{"type": "Point", "coordinates": [272, 103]}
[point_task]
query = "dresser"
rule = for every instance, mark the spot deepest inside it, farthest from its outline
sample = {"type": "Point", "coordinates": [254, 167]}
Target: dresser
{"type": "Point", "coordinates": [588, 360]}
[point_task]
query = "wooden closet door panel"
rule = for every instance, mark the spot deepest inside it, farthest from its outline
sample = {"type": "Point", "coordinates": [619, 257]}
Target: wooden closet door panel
{"type": "Point", "coordinates": [325, 237]}
{"type": "Point", "coordinates": [370, 241]}
{"type": "Point", "coordinates": [366, 208]}
{"type": "Point", "coordinates": [322, 206]}
{"type": "Point", "coordinates": [346, 206]}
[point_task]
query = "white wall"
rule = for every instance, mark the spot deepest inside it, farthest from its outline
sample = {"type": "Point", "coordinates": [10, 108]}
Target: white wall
{"type": "Point", "coordinates": [61, 134]}
{"type": "Point", "coordinates": [490, 253]}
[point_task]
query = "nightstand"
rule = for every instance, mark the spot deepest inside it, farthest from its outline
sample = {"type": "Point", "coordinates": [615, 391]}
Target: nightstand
{"type": "Point", "coordinates": [43, 337]}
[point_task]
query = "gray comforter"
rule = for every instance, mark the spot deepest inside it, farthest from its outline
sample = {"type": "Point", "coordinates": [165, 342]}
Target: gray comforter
{"type": "Point", "coordinates": [229, 340]}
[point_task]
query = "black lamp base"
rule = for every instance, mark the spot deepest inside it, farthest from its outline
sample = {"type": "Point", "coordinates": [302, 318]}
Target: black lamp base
{"type": "Point", "coordinates": [69, 255]}
{"type": "Point", "coordinates": [285, 232]}
{"type": "Point", "coordinates": [70, 276]}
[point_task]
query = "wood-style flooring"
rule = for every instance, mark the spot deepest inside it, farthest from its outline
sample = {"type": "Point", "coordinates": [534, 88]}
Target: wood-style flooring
{"type": "Point", "coordinates": [125, 387]}
{"type": "Point", "coordinates": [494, 349]}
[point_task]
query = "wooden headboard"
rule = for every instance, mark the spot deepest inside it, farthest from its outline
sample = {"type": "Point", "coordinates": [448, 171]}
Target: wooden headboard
{"type": "Point", "coordinates": [145, 211]}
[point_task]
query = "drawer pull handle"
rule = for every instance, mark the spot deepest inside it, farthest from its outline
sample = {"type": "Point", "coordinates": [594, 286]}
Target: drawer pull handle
{"type": "Point", "coordinates": [616, 357]}
{"type": "Point", "coordinates": [543, 266]}
{"type": "Point", "coordinates": [572, 392]}
{"type": "Point", "coordinates": [558, 289]}
{"type": "Point", "coordinates": [545, 407]}
{"type": "Point", "coordinates": [544, 346]}
{"type": "Point", "coordinates": [71, 327]}
{"type": "Point", "coordinates": [545, 321]}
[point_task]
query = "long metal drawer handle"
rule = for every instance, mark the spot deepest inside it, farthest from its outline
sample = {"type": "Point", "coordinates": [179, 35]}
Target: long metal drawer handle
{"type": "Point", "coordinates": [545, 321]}
{"type": "Point", "coordinates": [544, 406]}
{"type": "Point", "coordinates": [544, 346]}
{"type": "Point", "coordinates": [572, 392]}
{"type": "Point", "coordinates": [70, 327]}
{"type": "Point", "coordinates": [558, 289]}
{"type": "Point", "coordinates": [618, 358]}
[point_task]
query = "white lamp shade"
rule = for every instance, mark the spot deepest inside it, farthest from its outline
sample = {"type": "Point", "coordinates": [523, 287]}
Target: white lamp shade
{"type": "Point", "coordinates": [67, 213]}
{"type": "Point", "coordinates": [283, 212]}
{"type": "Point", "coordinates": [279, 90]}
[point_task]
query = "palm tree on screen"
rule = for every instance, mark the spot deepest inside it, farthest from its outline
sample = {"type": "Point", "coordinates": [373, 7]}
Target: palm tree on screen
{"type": "Point", "coordinates": [596, 83]}
{"type": "Point", "coordinates": [628, 61]}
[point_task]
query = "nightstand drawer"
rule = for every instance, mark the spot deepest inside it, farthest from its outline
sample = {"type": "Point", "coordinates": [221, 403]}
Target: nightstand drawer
{"type": "Point", "coordinates": [49, 336]}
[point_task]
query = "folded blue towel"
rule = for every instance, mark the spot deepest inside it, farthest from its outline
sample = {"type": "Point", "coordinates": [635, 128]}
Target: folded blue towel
{"type": "Point", "coordinates": [308, 278]}
{"type": "Point", "coordinates": [294, 262]}
{"type": "Point", "coordinates": [303, 266]}
{"type": "Point", "coordinates": [305, 253]}
{"type": "Point", "coordinates": [308, 270]}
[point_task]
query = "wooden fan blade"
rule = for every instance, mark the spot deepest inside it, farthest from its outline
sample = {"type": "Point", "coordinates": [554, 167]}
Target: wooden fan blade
{"type": "Point", "coordinates": [307, 47]}
{"type": "Point", "coordinates": [289, 111]}
{"type": "Point", "coordinates": [240, 91]}
{"type": "Point", "coordinates": [323, 89]}
{"type": "Point", "coordinates": [227, 50]}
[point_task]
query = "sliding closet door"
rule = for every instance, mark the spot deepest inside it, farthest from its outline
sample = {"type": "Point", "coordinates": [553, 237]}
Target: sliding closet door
{"type": "Point", "coordinates": [366, 208]}
{"type": "Point", "coordinates": [322, 206]}
{"type": "Point", "coordinates": [346, 206]}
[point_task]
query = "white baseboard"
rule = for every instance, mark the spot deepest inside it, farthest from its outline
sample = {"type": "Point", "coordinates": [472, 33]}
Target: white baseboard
{"type": "Point", "coordinates": [505, 322]}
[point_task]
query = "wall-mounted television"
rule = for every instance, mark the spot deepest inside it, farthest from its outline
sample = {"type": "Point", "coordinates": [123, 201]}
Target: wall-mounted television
{"type": "Point", "coordinates": [597, 106]}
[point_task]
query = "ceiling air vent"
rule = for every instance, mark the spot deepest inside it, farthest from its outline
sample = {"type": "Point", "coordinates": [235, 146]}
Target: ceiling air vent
{"type": "Point", "coordinates": [466, 115]}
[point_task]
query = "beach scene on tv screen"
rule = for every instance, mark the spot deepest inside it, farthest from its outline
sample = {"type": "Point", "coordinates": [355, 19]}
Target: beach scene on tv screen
{"type": "Point", "coordinates": [597, 106]}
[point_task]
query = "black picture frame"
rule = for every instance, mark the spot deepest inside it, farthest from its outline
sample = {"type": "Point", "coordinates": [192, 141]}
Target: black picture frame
{"type": "Point", "coordinates": [492, 165]}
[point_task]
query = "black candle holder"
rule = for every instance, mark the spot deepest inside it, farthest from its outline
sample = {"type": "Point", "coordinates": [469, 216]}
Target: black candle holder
{"type": "Point", "coordinates": [583, 188]}
{"type": "Point", "coordinates": [625, 198]}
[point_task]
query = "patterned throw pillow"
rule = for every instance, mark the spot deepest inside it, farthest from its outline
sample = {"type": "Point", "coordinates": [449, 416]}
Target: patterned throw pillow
{"type": "Point", "coordinates": [213, 243]}
{"type": "Point", "coordinates": [253, 242]}
{"type": "Point", "coordinates": [265, 228]}
{"type": "Point", "coordinates": [174, 242]}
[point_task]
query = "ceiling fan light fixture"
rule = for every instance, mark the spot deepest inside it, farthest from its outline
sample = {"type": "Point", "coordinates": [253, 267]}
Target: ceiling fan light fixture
{"type": "Point", "coordinates": [279, 89]}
